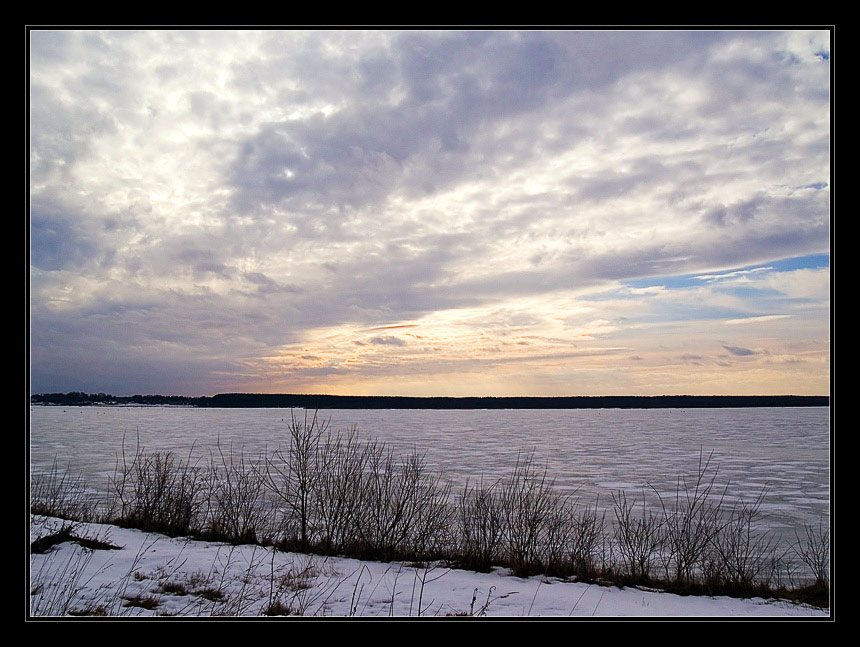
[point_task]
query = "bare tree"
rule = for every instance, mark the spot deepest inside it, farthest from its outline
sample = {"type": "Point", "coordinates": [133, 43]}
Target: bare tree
{"type": "Point", "coordinates": [293, 474]}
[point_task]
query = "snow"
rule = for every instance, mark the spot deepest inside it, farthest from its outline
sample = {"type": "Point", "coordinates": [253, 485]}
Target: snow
{"type": "Point", "coordinates": [195, 578]}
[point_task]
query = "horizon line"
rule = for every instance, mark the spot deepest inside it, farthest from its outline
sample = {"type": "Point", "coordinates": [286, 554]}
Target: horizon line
{"type": "Point", "coordinates": [450, 397]}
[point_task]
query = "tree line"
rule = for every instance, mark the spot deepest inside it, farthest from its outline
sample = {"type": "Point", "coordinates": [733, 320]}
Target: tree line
{"type": "Point", "coordinates": [303, 401]}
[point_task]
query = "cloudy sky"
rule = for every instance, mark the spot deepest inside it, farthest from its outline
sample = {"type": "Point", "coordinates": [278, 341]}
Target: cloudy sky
{"type": "Point", "coordinates": [430, 212]}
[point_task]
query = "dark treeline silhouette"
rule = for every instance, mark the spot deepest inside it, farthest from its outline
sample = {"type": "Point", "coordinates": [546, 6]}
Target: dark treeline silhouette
{"type": "Point", "coordinates": [77, 399]}
{"type": "Point", "coordinates": [287, 401]}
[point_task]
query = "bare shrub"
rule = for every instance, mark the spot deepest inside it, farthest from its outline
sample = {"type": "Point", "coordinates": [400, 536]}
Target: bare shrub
{"type": "Point", "coordinates": [481, 525]}
{"type": "Point", "coordinates": [529, 506]}
{"type": "Point", "coordinates": [691, 520]}
{"type": "Point", "coordinates": [339, 491]}
{"type": "Point", "coordinates": [587, 539]}
{"type": "Point", "coordinates": [159, 493]}
{"type": "Point", "coordinates": [746, 555]}
{"type": "Point", "coordinates": [293, 474]}
{"type": "Point", "coordinates": [240, 510]}
{"type": "Point", "coordinates": [394, 493]}
{"type": "Point", "coordinates": [813, 549]}
{"type": "Point", "coordinates": [430, 514]}
{"type": "Point", "coordinates": [343, 495]}
{"type": "Point", "coordinates": [638, 537]}
{"type": "Point", "coordinates": [557, 536]}
{"type": "Point", "coordinates": [65, 495]}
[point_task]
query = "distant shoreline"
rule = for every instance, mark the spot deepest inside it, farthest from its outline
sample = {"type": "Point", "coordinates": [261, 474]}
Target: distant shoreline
{"type": "Point", "coordinates": [299, 401]}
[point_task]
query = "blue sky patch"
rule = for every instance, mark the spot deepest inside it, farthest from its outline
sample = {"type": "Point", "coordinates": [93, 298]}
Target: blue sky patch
{"type": "Point", "coordinates": [813, 261]}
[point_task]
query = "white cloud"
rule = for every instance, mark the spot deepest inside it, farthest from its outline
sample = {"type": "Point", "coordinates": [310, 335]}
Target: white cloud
{"type": "Point", "coordinates": [755, 320]}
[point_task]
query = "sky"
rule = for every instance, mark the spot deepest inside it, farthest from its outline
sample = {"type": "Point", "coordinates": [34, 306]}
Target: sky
{"type": "Point", "coordinates": [430, 213]}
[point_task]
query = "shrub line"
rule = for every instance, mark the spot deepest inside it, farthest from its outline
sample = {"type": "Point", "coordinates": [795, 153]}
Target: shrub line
{"type": "Point", "coordinates": [333, 494]}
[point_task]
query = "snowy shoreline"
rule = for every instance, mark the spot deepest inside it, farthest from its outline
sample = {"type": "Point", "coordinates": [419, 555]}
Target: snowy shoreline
{"type": "Point", "coordinates": [150, 575]}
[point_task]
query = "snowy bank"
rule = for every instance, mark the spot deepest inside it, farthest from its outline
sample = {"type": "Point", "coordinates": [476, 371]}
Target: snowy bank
{"type": "Point", "coordinates": [133, 574]}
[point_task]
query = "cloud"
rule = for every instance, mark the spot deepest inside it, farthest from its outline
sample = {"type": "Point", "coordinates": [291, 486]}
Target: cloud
{"type": "Point", "coordinates": [739, 351]}
{"type": "Point", "coordinates": [387, 341]}
{"type": "Point", "coordinates": [755, 320]}
{"type": "Point", "coordinates": [236, 192]}
{"type": "Point", "coordinates": [731, 275]}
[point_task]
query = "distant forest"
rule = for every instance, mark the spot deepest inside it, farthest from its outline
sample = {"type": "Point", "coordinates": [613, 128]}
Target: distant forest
{"type": "Point", "coordinates": [287, 401]}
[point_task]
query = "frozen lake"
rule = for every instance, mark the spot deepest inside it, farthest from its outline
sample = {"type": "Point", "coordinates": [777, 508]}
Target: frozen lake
{"type": "Point", "coordinates": [589, 453]}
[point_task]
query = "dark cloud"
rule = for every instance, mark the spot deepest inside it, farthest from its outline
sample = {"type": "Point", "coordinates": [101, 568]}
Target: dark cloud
{"type": "Point", "coordinates": [60, 240]}
{"type": "Point", "coordinates": [739, 351]}
{"type": "Point", "coordinates": [736, 214]}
